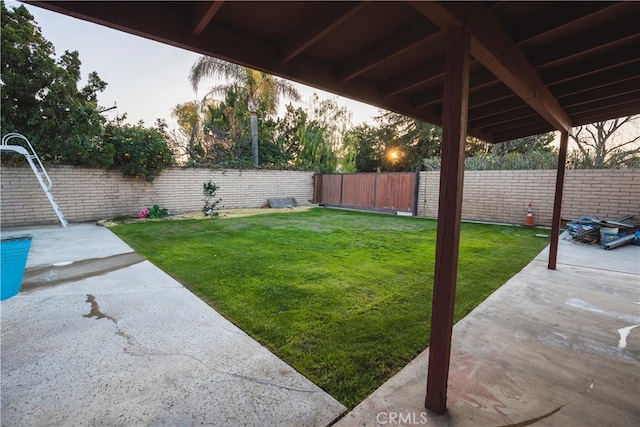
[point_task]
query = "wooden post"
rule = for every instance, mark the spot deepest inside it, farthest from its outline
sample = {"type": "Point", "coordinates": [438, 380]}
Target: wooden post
{"type": "Point", "coordinates": [557, 201]}
{"type": "Point", "coordinates": [416, 191]}
{"type": "Point", "coordinates": [454, 133]}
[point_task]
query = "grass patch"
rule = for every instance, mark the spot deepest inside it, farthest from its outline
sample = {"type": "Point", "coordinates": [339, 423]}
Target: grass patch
{"type": "Point", "coordinates": [343, 297]}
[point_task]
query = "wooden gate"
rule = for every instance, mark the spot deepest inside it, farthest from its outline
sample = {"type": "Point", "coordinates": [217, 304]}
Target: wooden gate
{"type": "Point", "coordinates": [387, 192]}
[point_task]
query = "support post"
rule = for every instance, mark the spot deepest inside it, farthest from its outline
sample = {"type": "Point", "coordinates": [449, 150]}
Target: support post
{"type": "Point", "coordinates": [454, 133]}
{"type": "Point", "coordinates": [557, 201]}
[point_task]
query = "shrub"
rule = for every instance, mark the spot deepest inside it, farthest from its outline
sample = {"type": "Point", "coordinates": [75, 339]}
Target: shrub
{"type": "Point", "coordinates": [155, 212]}
{"type": "Point", "coordinates": [140, 152]}
{"type": "Point", "coordinates": [210, 203]}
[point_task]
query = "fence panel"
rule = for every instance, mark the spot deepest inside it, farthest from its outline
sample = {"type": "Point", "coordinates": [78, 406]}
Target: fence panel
{"type": "Point", "coordinates": [391, 191]}
{"type": "Point", "coordinates": [395, 191]}
{"type": "Point", "coordinates": [358, 190]}
{"type": "Point", "coordinates": [331, 189]}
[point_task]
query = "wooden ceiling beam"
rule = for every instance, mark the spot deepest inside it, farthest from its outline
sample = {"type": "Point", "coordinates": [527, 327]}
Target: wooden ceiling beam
{"type": "Point", "coordinates": [491, 94]}
{"type": "Point", "coordinates": [492, 46]}
{"type": "Point", "coordinates": [396, 45]}
{"type": "Point", "coordinates": [603, 104]}
{"type": "Point", "coordinates": [617, 33]}
{"type": "Point", "coordinates": [593, 81]}
{"type": "Point", "coordinates": [608, 113]}
{"type": "Point", "coordinates": [419, 76]}
{"type": "Point", "coordinates": [620, 56]}
{"type": "Point", "coordinates": [202, 13]}
{"type": "Point", "coordinates": [516, 123]}
{"type": "Point", "coordinates": [501, 117]}
{"type": "Point", "coordinates": [534, 129]}
{"type": "Point", "coordinates": [496, 108]}
{"type": "Point", "coordinates": [319, 24]}
{"type": "Point", "coordinates": [562, 18]}
{"type": "Point", "coordinates": [478, 81]}
{"type": "Point", "coordinates": [602, 93]}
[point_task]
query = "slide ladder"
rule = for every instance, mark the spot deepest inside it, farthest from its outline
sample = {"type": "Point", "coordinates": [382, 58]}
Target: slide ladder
{"type": "Point", "coordinates": [36, 165]}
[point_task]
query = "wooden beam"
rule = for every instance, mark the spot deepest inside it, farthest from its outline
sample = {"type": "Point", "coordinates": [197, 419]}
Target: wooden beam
{"type": "Point", "coordinates": [492, 46]}
{"type": "Point", "coordinates": [608, 36]}
{"type": "Point", "coordinates": [454, 133]}
{"type": "Point", "coordinates": [593, 65]}
{"type": "Point", "coordinates": [606, 78]}
{"type": "Point", "coordinates": [202, 13]}
{"type": "Point", "coordinates": [608, 113]}
{"type": "Point", "coordinates": [422, 75]}
{"type": "Point", "coordinates": [557, 201]}
{"type": "Point", "coordinates": [631, 86]}
{"type": "Point", "coordinates": [319, 24]}
{"type": "Point", "coordinates": [493, 109]}
{"type": "Point", "coordinates": [562, 18]}
{"type": "Point", "coordinates": [476, 81]}
{"type": "Point", "coordinates": [397, 44]}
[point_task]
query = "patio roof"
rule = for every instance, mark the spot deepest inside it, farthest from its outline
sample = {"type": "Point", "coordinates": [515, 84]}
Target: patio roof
{"type": "Point", "coordinates": [535, 67]}
{"type": "Point", "coordinates": [494, 70]}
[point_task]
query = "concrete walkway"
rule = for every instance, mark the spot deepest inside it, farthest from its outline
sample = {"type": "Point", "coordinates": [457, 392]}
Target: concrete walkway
{"type": "Point", "coordinates": [112, 340]}
{"type": "Point", "coordinates": [549, 348]}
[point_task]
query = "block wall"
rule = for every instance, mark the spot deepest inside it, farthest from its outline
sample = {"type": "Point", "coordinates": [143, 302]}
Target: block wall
{"type": "Point", "coordinates": [503, 196]}
{"type": "Point", "coordinates": [93, 194]}
{"type": "Point", "coordinates": [493, 196]}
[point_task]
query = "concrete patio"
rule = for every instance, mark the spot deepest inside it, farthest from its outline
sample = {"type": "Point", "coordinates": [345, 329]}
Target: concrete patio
{"type": "Point", "coordinates": [112, 340]}
{"type": "Point", "coordinates": [99, 336]}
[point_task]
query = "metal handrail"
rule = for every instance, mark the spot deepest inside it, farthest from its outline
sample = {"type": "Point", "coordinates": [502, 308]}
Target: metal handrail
{"type": "Point", "coordinates": [30, 154]}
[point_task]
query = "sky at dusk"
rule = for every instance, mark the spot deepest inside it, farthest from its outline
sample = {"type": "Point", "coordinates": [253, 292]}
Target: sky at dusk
{"type": "Point", "coordinates": [146, 79]}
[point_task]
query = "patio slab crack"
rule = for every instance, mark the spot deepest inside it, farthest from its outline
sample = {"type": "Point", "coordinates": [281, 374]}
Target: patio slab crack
{"type": "Point", "coordinates": [134, 348]}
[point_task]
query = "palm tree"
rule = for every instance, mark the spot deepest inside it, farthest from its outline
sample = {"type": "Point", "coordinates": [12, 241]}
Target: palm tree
{"type": "Point", "coordinates": [259, 89]}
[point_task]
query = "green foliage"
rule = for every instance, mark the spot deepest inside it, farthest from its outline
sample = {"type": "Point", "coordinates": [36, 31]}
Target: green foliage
{"type": "Point", "coordinates": [156, 212]}
{"type": "Point", "coordinates": [510, 161]}
{"type": "Point", "coordinates": [315, 149]}
{"type": "Point", "coordinates": [189, 140]}
{"type": "Point", "coordinates": [530, 144]}
{"type": "Point", "coordinates": [140, 152]}
{"type": "Point", "coordinates": [211, 203]}
{"type": "Point", "coordinates": [258, 90]}
{"type": "Point", "coordinates": [40, 97]}
{"type": "Point", "coordinates": [408, 139]}
{"type": "Point", "coordinates": [349, 313]}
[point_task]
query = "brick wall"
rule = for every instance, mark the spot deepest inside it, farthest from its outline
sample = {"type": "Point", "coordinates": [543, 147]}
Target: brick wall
{"type": "Point", "coordinates": [93, 194]}
{"type": "Point", "coordinates": [503, 196]}
{"type": "Point", "coordinates": [494, 196]}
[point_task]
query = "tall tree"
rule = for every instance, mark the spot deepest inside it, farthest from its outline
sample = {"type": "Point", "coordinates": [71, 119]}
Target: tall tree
{"type": "Point", "coordinates": [398, 143]}
{"type": "Point", "coordinates": [606, 144]}
{"type": "Point", "coordinates": [526, 145]}
{"type": "Point", "coordinates": [188, 140]}
{"type": "Point", "coordinates": [261, 90]}
{"type": "Point", "coordinates": [41, 99]}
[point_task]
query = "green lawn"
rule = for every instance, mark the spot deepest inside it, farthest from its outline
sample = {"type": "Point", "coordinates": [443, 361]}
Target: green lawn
{"type": "Point", "coordinates": [343, 297]}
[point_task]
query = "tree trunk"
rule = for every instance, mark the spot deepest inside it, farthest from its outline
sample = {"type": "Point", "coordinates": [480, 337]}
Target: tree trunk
{"type": "Point", "coordinates": [253, 109]}
{"type": "Point", "coordinates": [254, 137]}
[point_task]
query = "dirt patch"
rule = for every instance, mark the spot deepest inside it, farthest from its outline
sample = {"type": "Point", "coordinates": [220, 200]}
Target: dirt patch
{"type": "Point", "coordinates": [224, 214]}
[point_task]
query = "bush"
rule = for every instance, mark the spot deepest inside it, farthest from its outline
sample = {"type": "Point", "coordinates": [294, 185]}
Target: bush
{"type": "Point", "coordinates": [509, 161]}
{"type": "Point", "coordinates": [210, 203]}
{"type": "Point", "coordinates": [140, 152]}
